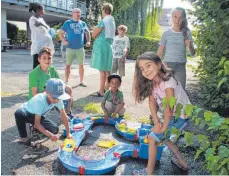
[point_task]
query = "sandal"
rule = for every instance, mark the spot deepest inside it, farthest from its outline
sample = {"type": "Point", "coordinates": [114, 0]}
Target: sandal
{"type": "Point", "coordinates": [82, 85]}
{"type": "Point", "coordinates": [175, 161]}
{"type": "Point", "coordinates": [139, 172]}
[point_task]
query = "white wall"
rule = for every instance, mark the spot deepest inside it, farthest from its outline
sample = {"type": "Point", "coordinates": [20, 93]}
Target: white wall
{"type": "Point", "coordinates": [3, 24]}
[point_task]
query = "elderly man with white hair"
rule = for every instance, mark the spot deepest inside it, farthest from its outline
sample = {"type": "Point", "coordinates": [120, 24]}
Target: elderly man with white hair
{"type": "Point", "coordinates": [72, 36]}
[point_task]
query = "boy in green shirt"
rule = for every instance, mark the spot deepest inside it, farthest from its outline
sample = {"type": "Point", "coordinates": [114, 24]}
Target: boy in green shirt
{"type": "Point", "coordinates": [113, 102]}
{"type": "Point", "coordinates": [39, 77]}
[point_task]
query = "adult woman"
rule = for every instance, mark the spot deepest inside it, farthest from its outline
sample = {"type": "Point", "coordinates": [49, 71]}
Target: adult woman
{"type": "Point", "coordinates": [102, 47]}
{"type": "Point", "coordinates": [40, 36]}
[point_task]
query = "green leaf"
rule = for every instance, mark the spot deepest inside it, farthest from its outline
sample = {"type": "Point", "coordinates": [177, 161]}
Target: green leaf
{"type": "Point", "coordinates": [208, 116]}
{"type": "Point", "coordinates": [176, 132]}
{"type": "Point", "coordinates": [178, 110]}
{"type": "Point", "coordinates": [188, 109]}
{"type": "Point", "coordinates": [223, 171]}
{"type": "Point", "coordinates": [164, 103]}
{"type": "Point", "coordinates": [197, 111]}
{"type": "Point", "coordinates": [223, 162]}
{"type": "Point", "coordinates": [215, 144]}
{"type": "Point", "coordinates": [223, 152]}
{"type": "Point", "coordinates": [202, 124]}
{"type": "Point", "coordinates": [188, 138]}
{"type": "Point", "coordinates": [172, 102]}
{"type": "Point", "coordinates": [203, 140]}
{"type": "Point", "coordinates": [220, 72]}
{"type": "Point", "coordinates": [198, 152]}
{"type": "Point", "coordinates": [224, 79]}
{"type": "Point", "coordinates": [226, 68]}
{"type": "Point", "coordinates": [215, 122]}
{"type": "Point", "coordinates": [197, 121]}
{"type": "Point", "coordinates": [222, 61]}
{"type": "Point", "coordinates": [226, 51]}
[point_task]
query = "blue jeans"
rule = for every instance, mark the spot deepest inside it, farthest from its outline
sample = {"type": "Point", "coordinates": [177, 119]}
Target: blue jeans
{"type": "Point", "coordinates": [179, 123]}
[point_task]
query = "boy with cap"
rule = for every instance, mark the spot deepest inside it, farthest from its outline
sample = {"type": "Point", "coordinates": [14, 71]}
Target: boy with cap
{"type": "Point", "coordinates": [113, 102]}
{"type": "Point", "coordinates": [35, 109]}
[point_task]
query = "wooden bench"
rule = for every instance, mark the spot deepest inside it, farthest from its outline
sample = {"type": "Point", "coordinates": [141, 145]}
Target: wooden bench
{"type": "Point", "coordinates": [5, 42]}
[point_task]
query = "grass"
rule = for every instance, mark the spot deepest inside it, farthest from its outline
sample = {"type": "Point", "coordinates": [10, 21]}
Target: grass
{"type": "Point", "coordinates": [7, 94]}
{"type": "Point", "coordinates": [95, 108]}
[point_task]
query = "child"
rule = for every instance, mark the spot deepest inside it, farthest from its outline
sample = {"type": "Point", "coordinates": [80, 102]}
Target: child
{"type": "Point", "coordinates": [34, 110]}
{"type": "Point", "coordinates": [39, 76]}
{"type": "Point", "coordinates": [174, 41]}
{"type": "Point", "coordinates": [121, 46]}
{"type": "Point", "coordinates": [113, 103]}
{"type": "Point", "coordinates": [155, 81]}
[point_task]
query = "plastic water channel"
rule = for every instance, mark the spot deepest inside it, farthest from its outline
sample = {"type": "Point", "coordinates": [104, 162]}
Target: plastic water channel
{"type": "Point", "coordinates": [67, 152]}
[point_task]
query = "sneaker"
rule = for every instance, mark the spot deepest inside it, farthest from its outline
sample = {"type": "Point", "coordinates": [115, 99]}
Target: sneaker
{"type": "Point", "coordinates": [139, 172]}
{"type": "Point", "coordinates": [70, 115]}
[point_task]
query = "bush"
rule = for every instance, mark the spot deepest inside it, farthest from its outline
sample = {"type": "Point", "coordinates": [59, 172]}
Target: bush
{"type": "Point", "coordinates": [139, 45]}
{"type": "Point", "coordinates": [212, 40]}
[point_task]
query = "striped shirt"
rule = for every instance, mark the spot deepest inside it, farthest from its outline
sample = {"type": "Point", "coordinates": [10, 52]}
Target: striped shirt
{"type": "Point", "coordinates": [175, 48]}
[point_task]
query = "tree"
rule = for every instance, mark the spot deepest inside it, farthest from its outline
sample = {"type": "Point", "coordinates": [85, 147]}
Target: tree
{"type": "Point", "coordinates": [212, 24]}
{"type": "Point", "coordinates": [12, 31]}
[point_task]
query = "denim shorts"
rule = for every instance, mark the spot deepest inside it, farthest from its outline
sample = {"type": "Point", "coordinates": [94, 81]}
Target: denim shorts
{"type": "Point", "coordinates": [179, 124]}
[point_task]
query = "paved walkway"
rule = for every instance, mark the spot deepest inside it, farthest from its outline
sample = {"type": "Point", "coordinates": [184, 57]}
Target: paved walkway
{"type": "Point", "coordinates": [17, 159]}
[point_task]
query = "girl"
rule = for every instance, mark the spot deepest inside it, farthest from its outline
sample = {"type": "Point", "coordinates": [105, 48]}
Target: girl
{"type": "Point", "coordinates": [155, 81]}
{"type": "Point", "coordinates": [174, 41]}
{"type": "Point", "coordinates": [102, 48]}
{"type": "Point", "coordinates": [40, 36]}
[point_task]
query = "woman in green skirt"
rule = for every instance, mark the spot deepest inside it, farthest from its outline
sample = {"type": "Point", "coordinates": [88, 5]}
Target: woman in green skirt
{"type": "Point", "coordinates": [102, 47]}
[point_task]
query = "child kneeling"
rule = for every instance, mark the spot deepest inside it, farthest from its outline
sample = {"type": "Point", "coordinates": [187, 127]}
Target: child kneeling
{"type": "Point", "coordinates": [113, 102]}
{"type": "Point", "coordinates": [34, 111]}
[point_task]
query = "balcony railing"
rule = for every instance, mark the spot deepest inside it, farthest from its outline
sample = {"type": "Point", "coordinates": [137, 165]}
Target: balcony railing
{"type": "Point", "coordinates": [66, 5]}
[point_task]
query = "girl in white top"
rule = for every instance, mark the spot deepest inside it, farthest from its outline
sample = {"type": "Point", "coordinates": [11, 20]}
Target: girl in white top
{"type": "Point", "coordinates": [40, 36]}
{"type": "Point", "coordinates": [155, 81]}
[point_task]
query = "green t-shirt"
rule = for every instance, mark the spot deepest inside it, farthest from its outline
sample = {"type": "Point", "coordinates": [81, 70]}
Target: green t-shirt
{"type": "Point", "coordinates": [38, 78]}
{"type": "Point", "coordinates": [116, 98]}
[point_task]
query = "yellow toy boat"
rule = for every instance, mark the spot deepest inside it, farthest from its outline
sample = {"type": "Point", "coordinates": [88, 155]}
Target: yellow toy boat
{"type": "Point", "coordinates": [95, 118]}
{"type": "Point", "coordinates": [106, 144]}
{"type": "Point", "coordinates": [68, 145]}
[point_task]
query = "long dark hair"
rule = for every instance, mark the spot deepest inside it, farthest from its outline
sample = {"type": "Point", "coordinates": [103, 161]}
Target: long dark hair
{"type": "Point", "coordinates": [143, 87]}
{"type": "Point", "coordinates": [184, 26]}
{"type": "Point", "coordinates": [35, 7]}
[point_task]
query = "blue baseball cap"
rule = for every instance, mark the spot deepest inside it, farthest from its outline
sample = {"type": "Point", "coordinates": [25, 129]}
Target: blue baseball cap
{"type": "Point", "coordinates": [56, 88]}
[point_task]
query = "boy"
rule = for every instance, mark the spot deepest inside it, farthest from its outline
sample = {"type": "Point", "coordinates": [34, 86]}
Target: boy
{"type": "Point", "coordinates": [121, 46]}
{"type": "Point", "coordinates": [34, 110]}
{"type": "Point", "coordinates": [39, 76]}
{"type": "Point", "coordinates": [113, 103]}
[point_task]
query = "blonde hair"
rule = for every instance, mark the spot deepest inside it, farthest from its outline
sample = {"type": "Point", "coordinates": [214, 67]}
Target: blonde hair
{"type": "Point", "coordinates": [108, 8]}
{"type": "Point", "coordinates": [123, 28]}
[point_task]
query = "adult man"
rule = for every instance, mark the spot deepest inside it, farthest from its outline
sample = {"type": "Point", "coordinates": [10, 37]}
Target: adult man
{"type": "Point", "coordinates": [72, 36]}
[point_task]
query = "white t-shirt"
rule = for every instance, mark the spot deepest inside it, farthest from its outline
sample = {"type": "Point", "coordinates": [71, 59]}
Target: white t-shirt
{"type": "Point", "coordinates": [39, 35]}
{"type": "Point", "coordinates": [181, 97]}
{"type": "Point", "coordinates": [119, 46]}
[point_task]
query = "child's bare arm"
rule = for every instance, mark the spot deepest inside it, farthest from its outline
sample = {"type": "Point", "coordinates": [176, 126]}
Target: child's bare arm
{"type": "Point", "coordinates": [160, 51]}
{"type": "Point", "coordinates": [34, 91]}
{"type": "Point", "coordinates": [167, 111]}
{"type": "Point", "coordinates": [153, 110]}
{"type": "Point", "coordinates": [38, 126]}
{"type": "Point", "coordinates": [103, 107]}
{"type": "Point", "coordinates": [65, 121]}
{"type": "Point", "coordinates": [190, 46]}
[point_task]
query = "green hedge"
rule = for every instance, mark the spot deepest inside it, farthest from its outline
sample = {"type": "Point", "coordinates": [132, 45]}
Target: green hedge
{"type": "Point", "coordinates": [139, 44]}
